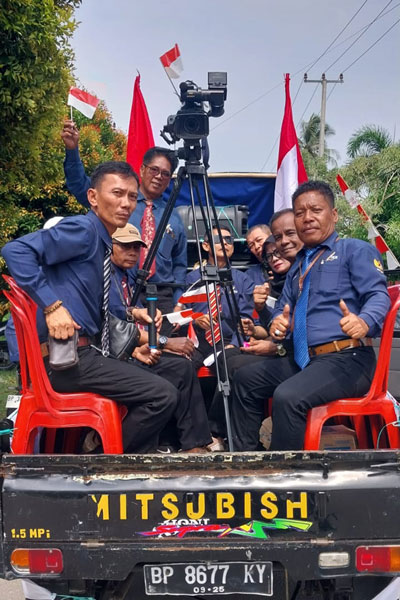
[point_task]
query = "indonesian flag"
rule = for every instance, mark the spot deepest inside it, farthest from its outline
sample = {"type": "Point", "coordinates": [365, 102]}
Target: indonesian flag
{"type": "Point", "coordinates": [191, 334]}
{"type": "Point", "coordinates": [82, 101]}
{"type": "Point", "coordinates": [373, 233]}
{"type": "Point", "coordinates": [183, 317]}
{"type": "Point", "coordinates": [291, 171]}
{"type": "Point", "coordinates": [172, 63]}
{"type": "Point", "coordinates": [195, 295]}
{"type": "Point", "coordinates": [140, 134]}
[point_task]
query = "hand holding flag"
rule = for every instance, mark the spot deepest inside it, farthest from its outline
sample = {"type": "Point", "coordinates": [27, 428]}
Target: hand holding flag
{"type": "Point", "coordinates": [82, 101]}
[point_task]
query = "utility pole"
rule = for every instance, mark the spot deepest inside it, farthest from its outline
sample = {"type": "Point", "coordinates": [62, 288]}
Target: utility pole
{"type": "Point", "coordinates": [324, 83]}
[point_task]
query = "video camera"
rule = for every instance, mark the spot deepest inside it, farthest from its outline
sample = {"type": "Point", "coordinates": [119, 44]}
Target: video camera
{"type": "Point", "coordinates": [191, 122]}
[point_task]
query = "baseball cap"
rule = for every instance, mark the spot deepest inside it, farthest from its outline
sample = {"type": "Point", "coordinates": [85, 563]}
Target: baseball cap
{"type": "Point", "coordinates": [127, 235]}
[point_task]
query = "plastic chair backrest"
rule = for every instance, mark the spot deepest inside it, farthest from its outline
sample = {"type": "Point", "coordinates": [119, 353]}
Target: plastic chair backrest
{"type": "Point", "coordinates": [379, 383]}
{"type": "Point", "coordinates": [23, 365]}
{"type": "Point", "coordinates": [24, 313]}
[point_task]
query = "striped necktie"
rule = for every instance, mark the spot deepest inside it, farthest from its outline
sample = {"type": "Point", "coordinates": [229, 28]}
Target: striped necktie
{"type": "Point", "coordinates": [300, 343]}
{"type": "Point", "coordinates": [148, 227]}
{"type": "Point", "coordinates": [214, 298]}
{"type": "Point", "coordinates": [105, 331]}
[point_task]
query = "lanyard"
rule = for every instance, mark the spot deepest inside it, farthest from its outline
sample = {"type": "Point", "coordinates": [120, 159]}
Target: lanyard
{"type": "Point", "coordinates": [302, 276]}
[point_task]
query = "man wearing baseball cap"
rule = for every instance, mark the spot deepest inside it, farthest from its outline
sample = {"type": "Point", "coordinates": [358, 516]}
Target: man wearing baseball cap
{"type": "Point", "coordinates": [190, 416]}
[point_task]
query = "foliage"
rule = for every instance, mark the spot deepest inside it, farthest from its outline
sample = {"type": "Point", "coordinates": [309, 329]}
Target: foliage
{"type": "Point", "coordinates": [376, 179]}
{"type": "Point", "coordinates": [368, 140]}
{"type": "Point", "coordinates": [309, 140]}
{"type": "Point", "coordinates": [35, 64]}
{"type": "Point", "coordinates": [35, 75]}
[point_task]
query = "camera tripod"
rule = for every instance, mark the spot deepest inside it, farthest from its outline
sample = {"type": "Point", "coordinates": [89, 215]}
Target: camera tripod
{"type": "Point", "coordinates": [211, 275]}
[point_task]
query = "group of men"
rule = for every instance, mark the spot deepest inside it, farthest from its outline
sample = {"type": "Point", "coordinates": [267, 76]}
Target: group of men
{"type": "Point", "coordinates": [317, 345]}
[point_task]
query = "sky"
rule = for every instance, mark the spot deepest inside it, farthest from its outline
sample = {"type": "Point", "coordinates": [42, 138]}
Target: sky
{"type": "Point", "coordinates": [256, 42]}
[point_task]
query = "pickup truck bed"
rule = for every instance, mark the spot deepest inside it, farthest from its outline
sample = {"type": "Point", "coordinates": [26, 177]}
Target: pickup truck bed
{"type": "Point", "coordinates": [110, 515]}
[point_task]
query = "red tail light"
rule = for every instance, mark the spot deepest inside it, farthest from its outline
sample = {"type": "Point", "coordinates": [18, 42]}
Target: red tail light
{"type": "Point", "coordinates": [383, 559]}
{"type": "Point", "coordinates": [37, 560]}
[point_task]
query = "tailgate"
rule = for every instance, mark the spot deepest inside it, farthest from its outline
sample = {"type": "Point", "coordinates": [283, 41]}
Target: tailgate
{"type": "Point", "coordinates": [121, 511]}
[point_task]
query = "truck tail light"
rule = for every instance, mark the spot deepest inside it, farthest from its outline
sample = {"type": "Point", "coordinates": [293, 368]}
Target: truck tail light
{"type": "Point", "coordinates": [381, 559]}
{"type": "Point", "coordinates": [37, 560]}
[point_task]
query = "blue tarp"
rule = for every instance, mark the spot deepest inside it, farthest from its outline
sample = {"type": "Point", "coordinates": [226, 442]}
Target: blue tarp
{"type": "Point", "coordinates": [254, 190]}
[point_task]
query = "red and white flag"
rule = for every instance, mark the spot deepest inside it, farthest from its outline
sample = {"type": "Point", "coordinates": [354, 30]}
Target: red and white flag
{"type": "Point", "coordinates": [373, 233]}
{"type": "Point", "coordinates": [196, 295]}
{"type": "Point", "coordinates": [140, 134]}
{"type": "Point", "coordinates": [291, 171]}
{"type": "Point", "coordinates": [172, 63]}
{"type": "Point", "coordinates": [191, 334]}
{"type": "Point", "coordinates": [183, 317]}
{"type": "Point", "coordinates": [82, 101]}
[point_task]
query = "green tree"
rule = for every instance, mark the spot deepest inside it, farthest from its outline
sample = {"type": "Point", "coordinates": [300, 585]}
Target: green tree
{"type": "Point", "coordinates": [368, 140]}
{"type": "Point", "coordinates": [35, 73]}
{"type": "Point", "coordinates": [309, 140]}
{"type": "Point", "coordinates": [376, 179]}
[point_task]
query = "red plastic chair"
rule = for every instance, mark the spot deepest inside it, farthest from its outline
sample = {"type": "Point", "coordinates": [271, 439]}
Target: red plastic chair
{"type": "Point", "coordinates": [205, 372]}
{"type": "Point", "coordinates": [376, 403]}
{"type": "Point", "coordinates": [40, 405]}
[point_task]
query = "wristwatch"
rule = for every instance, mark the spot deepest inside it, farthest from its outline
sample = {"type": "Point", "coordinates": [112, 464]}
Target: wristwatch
{"type": "Point", "coordinates": [162, 342]}
{"type": "Point", "coordinates": [280, 350]}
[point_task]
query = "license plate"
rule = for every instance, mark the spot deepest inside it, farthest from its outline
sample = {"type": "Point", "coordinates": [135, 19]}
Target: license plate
{"type": "Point", "coordinates": [193, 579]}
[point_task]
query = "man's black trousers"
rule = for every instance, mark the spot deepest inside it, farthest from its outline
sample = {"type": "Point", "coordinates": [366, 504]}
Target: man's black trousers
{"type": "Point", "coordinates": [150, 399]}
{"type": "Point", "coordinates": [327, 377]}
{"type": "Point", "coordinates": [190, 415]}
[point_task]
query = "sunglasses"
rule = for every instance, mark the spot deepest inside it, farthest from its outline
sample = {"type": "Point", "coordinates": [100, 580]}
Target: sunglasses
{"type": "Point", "coordinates": [227, 238]}
{"type": "Point", "coordinates": [270, 255]}
{"type": "Point", "coordinates": [156, 171]}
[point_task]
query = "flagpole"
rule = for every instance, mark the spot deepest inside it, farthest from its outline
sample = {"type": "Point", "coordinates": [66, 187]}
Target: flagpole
{"type": "Point", "coordinates": [172, 83]}
{"type": "Point", "coordinates": [71, 113]}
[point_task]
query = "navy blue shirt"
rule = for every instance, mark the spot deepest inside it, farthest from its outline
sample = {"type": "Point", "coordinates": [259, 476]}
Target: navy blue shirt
{"type": "Point", "coordinates": [256, 274]}
{"type": "Point", "coordinates": [242, 288]}
{"type": "Point", "coordinates": [171, 258]}
{"type": "Point", "coordinates": [348, 269]}
{"type": "Point", "coordinates": [64, 263]}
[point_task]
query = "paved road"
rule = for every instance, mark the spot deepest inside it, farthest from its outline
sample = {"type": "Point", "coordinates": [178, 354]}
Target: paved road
{"type": "Point", "coordinates": [11, 590]}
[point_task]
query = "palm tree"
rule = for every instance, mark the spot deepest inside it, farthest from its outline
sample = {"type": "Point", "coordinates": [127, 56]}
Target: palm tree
{"type": "Point", "coordinates": [309, 138]}
{"type": "Point", "coordinates": [368, 140]}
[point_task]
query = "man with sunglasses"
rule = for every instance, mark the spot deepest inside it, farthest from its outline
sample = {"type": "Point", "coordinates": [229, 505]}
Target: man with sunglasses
{"type": "Point", "coordinates": [169, 268]}
{"type": "Point", "coordinates": [242, 287]}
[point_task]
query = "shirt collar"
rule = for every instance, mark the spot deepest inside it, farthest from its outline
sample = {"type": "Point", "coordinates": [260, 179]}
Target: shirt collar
{"type": "Point", "coordinates": [157, 202]}
{"type": "Point", "coordinates": [100, 228]}
{"type": "Point", "coordinates": [328, 243]}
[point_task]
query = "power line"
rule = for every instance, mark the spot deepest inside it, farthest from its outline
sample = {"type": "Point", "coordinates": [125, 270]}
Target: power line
{"type": "Point", "coordinates": [372, 45]}
{"type": "Point", "coordinates": [306, 67]}
{"type": "Point", "coordinates": [357, 38]}
{"type": "Point", "coordinates": [308, 104]}
{"type": "Point", "coordinates": [340, 33]}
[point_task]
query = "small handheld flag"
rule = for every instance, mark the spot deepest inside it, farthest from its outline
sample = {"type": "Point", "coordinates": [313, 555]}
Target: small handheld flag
{"type": "Point", "coordinates": [172, 63]}
{"type": "Point", "coordinates": [82, 101]}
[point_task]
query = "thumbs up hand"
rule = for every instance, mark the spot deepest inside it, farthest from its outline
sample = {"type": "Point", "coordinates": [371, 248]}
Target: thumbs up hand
{"type": "Point", "coordinates": [352, 325]}
{"type": "Point", "coordinates": [280, 324]}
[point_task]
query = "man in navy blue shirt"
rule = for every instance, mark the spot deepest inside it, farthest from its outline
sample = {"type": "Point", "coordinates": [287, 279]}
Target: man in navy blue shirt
{"type": "Point", "coordinates": [242, 288]}
{"type": "Point", "coordinates": [189, 429]}
{"type": "Point", "coordinates": [62, 269]}
{"type": "Point", "coordinates": [334, 300]}
{"type": "Point", "coordinates": [155, 173]}
{"type": "Point", "coordinates": [255, 238]}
